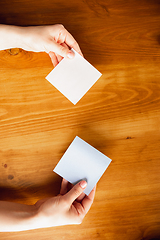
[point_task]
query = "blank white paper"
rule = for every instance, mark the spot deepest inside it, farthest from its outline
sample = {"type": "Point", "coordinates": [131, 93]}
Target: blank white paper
{"type": "Point", "coordinates": [73, 77]}
{"type": "Point", "coordinates": [81, 161]}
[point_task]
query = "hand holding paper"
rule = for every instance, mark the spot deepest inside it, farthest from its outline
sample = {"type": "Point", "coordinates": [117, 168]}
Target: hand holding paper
{"type": "Point", "coordinates": [81, 161]}
{"type": "Point", "coordinates": [73, 77]}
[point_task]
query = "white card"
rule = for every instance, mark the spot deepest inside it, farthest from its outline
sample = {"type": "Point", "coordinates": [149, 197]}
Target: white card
{"type": "Point", "coordinates": [73, 77]}
{"type": "Point", "coordinates": [81, 161]}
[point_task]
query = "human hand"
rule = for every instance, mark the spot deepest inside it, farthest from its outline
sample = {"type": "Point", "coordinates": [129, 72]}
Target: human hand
{"type": "Point", "coordinates": [54, 40]}
{"type": "Point", "coordinates": [67, 208]}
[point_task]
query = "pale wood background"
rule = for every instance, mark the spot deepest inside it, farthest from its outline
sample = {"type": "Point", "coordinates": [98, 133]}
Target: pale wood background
{"type": "Point", "coordinates": [120, 115]}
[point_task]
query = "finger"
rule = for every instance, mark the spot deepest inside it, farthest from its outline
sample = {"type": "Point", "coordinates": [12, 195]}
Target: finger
{"type": "Point", "coordinates": [64, 187]}
{"type": "Point", "coordinates": [65, 45]}
{"type": "Point", "coordinates": [88, 200]}
{"type": "Point", "coordinates": [80, 198]}
{"type": "Point", "coordinates": [75, 192]}
{"type": "Point", "coordinates": [70, 186]}
{"type": "Point", "coordinates": [63, 36]}
{"type": "Point", "coordinates": [71, 42]}
{"type": "Point", "coordinates": [79, 208]}
{"type": "Point", "coordinates": [59, 49]}
{"type": "Point", "coordinates": [77, 49]}
{"type": "Point", "coordinates": [53, 58]}
{"type": "Point", "coordinates": [59, 58]}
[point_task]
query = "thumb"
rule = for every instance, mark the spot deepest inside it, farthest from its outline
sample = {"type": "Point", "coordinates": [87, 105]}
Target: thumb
{"type": "Point", "coordinates": [60, 50]}
{"type": "Point", "coordinates": [75, 192]}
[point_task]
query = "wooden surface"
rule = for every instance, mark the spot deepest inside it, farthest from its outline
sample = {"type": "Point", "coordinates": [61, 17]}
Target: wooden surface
{"type": "Point", "coordinates": [120, 115]}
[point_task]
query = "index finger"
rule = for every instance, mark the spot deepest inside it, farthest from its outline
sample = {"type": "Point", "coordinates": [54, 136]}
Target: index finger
{"type": "Point", "coordinates": [71, 42]}
{"type": "Point", "coordinates": [88, 200]}
{"type": "Point", "coordinates": [64, 188]}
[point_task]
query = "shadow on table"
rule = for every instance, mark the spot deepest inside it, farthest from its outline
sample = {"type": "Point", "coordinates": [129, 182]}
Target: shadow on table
{"type": "Point", "coordinates": [99, 140]}
{"type": "Point", "coordinates": [152, 233]}
{"type": "Point", "coordinates": [29, 192]}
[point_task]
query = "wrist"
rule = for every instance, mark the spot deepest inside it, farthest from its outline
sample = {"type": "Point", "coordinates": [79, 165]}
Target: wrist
{"type": "Point", "coordinates": [41, 219]}
{"type": "Point", "coordinates": [10, 37]}
{"type": "Point", "coordinates": [32, 219]}
{"type": "Point", "coordinates": [26, 218]}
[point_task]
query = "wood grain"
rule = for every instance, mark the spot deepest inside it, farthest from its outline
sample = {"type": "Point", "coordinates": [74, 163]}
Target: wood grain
{"type": "Point", "coordinates": [119, 115]}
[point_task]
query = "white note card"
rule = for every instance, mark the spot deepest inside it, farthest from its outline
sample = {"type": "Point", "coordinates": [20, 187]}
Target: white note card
{"type": "Point", "coordinates": [73, 77]}
{"type": "Point", "coordinates": [81, 161]}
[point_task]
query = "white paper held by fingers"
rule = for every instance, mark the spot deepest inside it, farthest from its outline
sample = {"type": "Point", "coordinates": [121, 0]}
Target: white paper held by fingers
{"type": "Point", "coordinates": [81, 161]}
{"type": "Point", "coordinates": [73, 77]}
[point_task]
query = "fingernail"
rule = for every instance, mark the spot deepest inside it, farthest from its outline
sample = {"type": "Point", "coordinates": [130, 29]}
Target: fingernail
{"type": "Point", "coordinates": [83, 184]}
{"type": "Point", "coordinates": [70, 54]}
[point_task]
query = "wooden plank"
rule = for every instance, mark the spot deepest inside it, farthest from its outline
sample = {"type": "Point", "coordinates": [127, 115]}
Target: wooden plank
{"type": "Point", "coordinates": [119, 115]}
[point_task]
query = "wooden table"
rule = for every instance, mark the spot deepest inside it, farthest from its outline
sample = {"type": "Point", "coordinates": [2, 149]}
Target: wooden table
{"type": "Point", "coordinates": [120, 115]}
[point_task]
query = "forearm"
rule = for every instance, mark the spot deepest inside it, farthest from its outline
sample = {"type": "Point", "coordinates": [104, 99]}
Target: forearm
{"type": "Point", "coordinates": [52, 39]}
{"type": "Point", "coordinates": [10, 37]}
{"type": "Point", "coordinates": [64, 209]}
{"type": "Point", "coordinates": [18, 217]}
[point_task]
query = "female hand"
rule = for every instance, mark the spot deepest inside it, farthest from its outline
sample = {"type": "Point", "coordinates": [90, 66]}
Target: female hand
{"type": "Point", "coordinates": [67, 208]}
{"type": "Point", "coordinates": [54, 40]}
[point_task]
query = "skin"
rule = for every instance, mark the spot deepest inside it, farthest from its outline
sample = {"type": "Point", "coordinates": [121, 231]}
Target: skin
{"type": "Point", "coordinates": [71, 205]}
{"type": "Point", "coordinates": [53, 39]}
